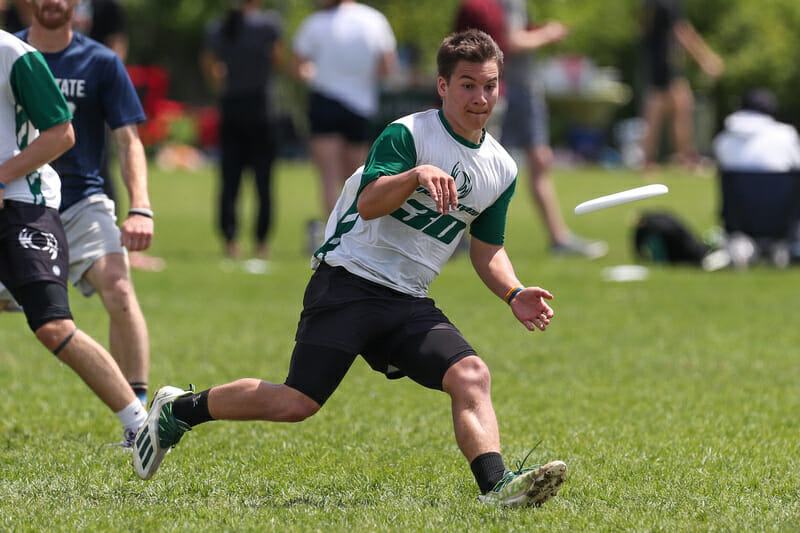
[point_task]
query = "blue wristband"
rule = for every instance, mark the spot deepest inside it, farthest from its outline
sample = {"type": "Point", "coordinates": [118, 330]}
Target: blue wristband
{"type": "Point", "coordinates": [513, 294]}
{"type": "Point", "coordinates": [2, 185]}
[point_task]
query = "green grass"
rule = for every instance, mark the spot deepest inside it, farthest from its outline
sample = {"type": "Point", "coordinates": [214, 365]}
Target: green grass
{"type": "Point", "coordinates": [673, 401]}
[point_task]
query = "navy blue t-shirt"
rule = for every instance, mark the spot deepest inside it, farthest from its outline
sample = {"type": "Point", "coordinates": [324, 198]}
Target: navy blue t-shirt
{"type": "Point", "coordinates": [99, 91]}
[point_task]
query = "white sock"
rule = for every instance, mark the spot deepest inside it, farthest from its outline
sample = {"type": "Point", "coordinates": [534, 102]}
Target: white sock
{"type": "Point", "coordinates": [132, 416]}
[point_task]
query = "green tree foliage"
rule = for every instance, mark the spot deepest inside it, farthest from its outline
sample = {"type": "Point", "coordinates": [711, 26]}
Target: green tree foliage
{"type": "Point", "coordinates": [758, 40]}
{"type": "Point", "coordinates": [761, 46]}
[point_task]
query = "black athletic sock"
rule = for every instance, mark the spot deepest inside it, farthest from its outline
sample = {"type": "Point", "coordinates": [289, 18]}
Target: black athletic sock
{"type": "Point", "coordinates": [192, 409]}
{"type": "Point", "coordinates": [488, 469]}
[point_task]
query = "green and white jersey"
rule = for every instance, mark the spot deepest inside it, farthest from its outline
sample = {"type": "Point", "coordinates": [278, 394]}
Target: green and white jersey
{"type": "Point", "coordinates": [407, 249]}
{"type": "Point", "coordinates": [29, 101]}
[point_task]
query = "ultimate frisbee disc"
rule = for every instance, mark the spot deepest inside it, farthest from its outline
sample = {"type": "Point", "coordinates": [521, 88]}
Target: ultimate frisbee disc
{"type": "Point", "coordinates": [623, 197]}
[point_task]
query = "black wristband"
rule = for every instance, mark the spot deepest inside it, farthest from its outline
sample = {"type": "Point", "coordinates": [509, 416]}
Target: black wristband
{"type": "Point", "coordinates": [140, 211]}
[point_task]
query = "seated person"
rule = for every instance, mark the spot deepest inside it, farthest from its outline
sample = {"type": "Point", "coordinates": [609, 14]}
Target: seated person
{"type": "Point", "coordinates": [754, 142]}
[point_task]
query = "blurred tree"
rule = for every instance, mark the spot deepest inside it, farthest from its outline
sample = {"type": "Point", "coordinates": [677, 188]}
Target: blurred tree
{"type": "Point", "coordinates": [761, 46]}
{"type": "Point", "coordinates": [758, 40]}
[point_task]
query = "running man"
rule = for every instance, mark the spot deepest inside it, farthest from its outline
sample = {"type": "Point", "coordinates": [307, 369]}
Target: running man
{"type": "Point", "coordinates": [428, 177]}
{"type": "Point", "coordinates": [35, 128]}
{"type": "Point", "coordinates": [96, 85]}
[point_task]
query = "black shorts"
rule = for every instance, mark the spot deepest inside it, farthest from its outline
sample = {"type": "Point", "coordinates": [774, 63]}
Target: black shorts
{"type": "Point", "coordinates": [397, 334]}
{"type": "Point", "coordinates": [33, 246]}
{"type": "Point", "coordinates": [327, 116]}
{"type": "Point", "coordinates": [659, 74]}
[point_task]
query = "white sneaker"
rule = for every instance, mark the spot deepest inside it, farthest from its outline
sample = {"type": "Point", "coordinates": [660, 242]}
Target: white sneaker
{"type": "Point", "coordinates": [579, 246]}
{"type": "Point", "coordinates": [160, 432]}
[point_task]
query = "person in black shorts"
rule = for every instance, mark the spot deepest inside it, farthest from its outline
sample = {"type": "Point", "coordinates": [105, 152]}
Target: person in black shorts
{"type": "Point", "coordinates": [398, 221]}
{"type": "Point", "coordinates": [342, 69]}
{"type": "Point", "coordinates": [34, 258]}
{"type": "Point", "coordinates": [666, 29]}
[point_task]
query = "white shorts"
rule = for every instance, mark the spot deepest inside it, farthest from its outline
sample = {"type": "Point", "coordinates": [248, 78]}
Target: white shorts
{"type": "Point", "coordinates": [92, 233]}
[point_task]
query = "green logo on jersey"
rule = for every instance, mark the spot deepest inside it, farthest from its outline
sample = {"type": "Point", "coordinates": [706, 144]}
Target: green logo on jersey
{"type": "Point", "coordinates": [24, 127]}
{"type": "Point", "coordinates": [465, 187]}
{"type": "Point", "coordinates": [24, 136]}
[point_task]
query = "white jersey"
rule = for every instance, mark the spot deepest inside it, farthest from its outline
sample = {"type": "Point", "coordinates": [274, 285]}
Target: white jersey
{"type": "Point", "coordinates": [29, 101]}
{"type": "Point", "coordinates": [407, 249]}
{"type": "Point", "coordinates": [345, 44]}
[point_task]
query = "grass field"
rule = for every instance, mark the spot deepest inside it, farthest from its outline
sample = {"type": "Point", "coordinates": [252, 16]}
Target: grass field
{"type": "Point", "coordinates": [673, 401]}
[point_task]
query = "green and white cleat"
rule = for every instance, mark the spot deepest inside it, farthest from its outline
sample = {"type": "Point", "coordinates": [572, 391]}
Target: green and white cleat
{"type": "Point", "coordinates": [527, 487]}
{"type": "Point", "coordinates": [160, 432]}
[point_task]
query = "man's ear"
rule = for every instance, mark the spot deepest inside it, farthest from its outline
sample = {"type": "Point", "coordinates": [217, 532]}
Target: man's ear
{"type": "Point", "coordinates": [441, 86]}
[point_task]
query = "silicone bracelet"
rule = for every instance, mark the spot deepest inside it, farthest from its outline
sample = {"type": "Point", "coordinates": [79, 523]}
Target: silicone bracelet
{"type": "Point", "coordinates": [140, 211]}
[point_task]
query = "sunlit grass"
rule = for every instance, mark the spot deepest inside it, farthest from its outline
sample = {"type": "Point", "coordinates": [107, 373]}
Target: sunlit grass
{"type": "Point", "coordinates": [672, 400]}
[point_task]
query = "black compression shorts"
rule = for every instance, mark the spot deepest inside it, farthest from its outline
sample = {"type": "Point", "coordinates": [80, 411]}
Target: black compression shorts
{"type": "Point", "coordinates": [397, 334]}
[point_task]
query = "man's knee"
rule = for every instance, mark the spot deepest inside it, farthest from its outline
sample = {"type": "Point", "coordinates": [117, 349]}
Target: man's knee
{"type": "Point", "coordinates": [297, 406]}
{"type": "Point", "coordinates": [110, 276]}
{"type": "Point", "coordinates": [118, 291]}
{"type": "Point", "coordinates": [56, 334]}
{"type": "Point", "coordinates": [469, 374]}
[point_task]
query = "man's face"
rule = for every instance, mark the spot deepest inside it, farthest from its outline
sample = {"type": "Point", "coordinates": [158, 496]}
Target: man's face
{"type": "Point", "coordinates": [53, 14]}
{"type": "Point", "coordinates": [469, 97]}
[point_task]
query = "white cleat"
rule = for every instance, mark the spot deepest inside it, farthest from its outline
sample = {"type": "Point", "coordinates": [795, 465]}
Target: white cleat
{"type": "Point", "coordinates": [160, 432]}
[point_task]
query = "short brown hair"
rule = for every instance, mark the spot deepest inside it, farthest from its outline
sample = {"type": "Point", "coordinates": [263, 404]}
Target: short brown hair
{"type": "Point", "coordinates": [470, 45]}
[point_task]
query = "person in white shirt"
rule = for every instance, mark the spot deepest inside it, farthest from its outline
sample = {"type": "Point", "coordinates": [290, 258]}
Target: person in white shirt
{"type": "Point", "coordinates": [754, 141]}
{"type": "Point", "coordinates": [342, 51]}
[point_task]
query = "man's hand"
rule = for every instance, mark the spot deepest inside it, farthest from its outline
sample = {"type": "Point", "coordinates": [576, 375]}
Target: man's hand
{"type": "Point", "coordinates": [137, 233]}
{"type": "Point", "coordinates": [440, 185]}
{"type": "Point", "coordinates": [530, 308]}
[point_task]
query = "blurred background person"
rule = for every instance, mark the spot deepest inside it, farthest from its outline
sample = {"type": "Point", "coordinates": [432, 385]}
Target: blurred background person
{"type": "Point", "coordinates": [753, 140]}
{"type": "Point", "coordinates": [342, 51]}
{"type": "Point", "coordinates": [16, 15]}
{"type": "Point", "coordinates": [666, 32]}
{"type": "Point", "coordinates": [243, 51]}
{"type": "Point", "coordinates": [103, 21]}
{"type": "Point", "coordinates": [758, 159]}
{"type": "Point", "coordinates": [525, 124]}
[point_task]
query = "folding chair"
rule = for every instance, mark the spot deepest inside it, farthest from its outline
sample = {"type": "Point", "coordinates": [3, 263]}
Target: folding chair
{"type": "Point", "coordinates": [760, 204]}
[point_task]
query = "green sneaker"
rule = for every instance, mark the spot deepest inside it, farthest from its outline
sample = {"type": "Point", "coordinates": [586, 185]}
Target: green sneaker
{"type": "Point", "coordinates": [159, 433]}
{"type": "Point", "coordinates": [525, 487]}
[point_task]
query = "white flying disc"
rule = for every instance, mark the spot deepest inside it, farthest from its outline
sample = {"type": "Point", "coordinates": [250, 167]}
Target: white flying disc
{"type": "Point", "coordinates": [623, 197]}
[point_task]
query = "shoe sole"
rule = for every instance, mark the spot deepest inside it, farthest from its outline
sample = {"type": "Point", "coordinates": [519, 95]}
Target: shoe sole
{"type": "Point", "coordinates": [147, 451]}
{"type": "Point", "coordinates": [546, 482]}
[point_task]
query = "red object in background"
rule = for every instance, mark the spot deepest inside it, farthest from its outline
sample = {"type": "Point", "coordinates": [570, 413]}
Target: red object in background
{"type": "Point", "coordinates": [207, 119]}
{"type": "Point", "coordinates": [152, 85]}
